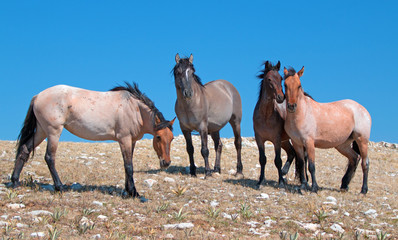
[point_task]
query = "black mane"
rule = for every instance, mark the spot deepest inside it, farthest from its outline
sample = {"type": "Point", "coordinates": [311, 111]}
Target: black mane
{"type": "Point", "coordinates": [267, 68]}
{"type": "Point", "coordinates": [184, 63]}
{"type": "Point", "coordinates": [290, 72]}
{"type": "Point", "coordinates": [137, 94]}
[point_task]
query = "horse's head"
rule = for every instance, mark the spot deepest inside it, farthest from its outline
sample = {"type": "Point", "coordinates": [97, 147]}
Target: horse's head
{"type": "Point", "coordinates": [162, 141]}
{"type": "Point", "coordinates": [272, 81]}
{"type": "Point", "coordinates": [184, 75]}
{"type": "Point", "coordinates": [293, 87]}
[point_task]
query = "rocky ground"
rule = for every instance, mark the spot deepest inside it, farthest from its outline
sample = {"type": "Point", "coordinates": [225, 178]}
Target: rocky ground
{"type": "Point", "coordinates": [219, 207]}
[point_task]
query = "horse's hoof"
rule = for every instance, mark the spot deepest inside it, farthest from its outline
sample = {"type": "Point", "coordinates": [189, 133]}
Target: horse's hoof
{"type": "Point", "coordinates": [13, 184]}
{"type": "Point", "coordinates": [344, 189]}
{"type": "Point", "coordinates": [60, 188]}
{"type": "Point", "coordinates": [143, 199]}
{"type": "Point", "coordinates": [314, 189]}
{"type": "Point", "coordinates": [208, 174]}
{"type": "Point", "coordinates": [364, 191]}
{"type": "Point", "coordinates": [217, 170]}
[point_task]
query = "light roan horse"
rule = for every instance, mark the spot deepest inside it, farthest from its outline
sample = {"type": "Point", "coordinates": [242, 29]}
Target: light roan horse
{"type": "Point", "coordinates": [206, 109]}
{"type": "Point", "coordinates": [268, 123]}
{"type": "Point", "coordinates": [344, 125]}
{"type": "Point", "coordinates": [123, 114]}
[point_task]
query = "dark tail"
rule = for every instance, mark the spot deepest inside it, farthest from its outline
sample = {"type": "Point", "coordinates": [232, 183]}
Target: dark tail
{"type": "Point", "coordinates": [29, 128]}
{"type": "Point", "coordinates": [356, 147]}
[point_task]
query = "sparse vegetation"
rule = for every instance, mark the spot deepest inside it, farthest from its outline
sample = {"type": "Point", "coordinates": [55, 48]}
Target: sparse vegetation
{"type": "Point", "coordinates": [240, 211]}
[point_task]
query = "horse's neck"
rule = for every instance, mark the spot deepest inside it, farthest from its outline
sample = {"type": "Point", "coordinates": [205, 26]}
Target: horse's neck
{"type": "Point", "coordinates": [267, 103]}
{"type": "Point", "coordinates": [147, 118]}
{"type": "Point", "coordinates": [301, 109]}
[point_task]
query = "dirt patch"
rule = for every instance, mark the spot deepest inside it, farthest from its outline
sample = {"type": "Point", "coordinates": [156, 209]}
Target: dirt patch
{"type": "Point", "coordinates": [220, 207]}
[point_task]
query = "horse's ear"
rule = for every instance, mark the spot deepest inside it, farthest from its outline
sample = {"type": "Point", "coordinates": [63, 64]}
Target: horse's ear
{"type": "Point", "coordinates": [300, 73]}
{"type": "Point", "coordinates": [191, 58]}
{"type": "Point", "coordinates": [157, 120]}
{"type": "Point", "coordinates": [267, 65]}
{"type": "Point", "coordinates": [177, 58]}
{"type": "Point", "coordinates": [285, 71]}
{"type": "Point", "coordinates": [278, 65]}
{"type": "Point", "coordinates": [172, 121]}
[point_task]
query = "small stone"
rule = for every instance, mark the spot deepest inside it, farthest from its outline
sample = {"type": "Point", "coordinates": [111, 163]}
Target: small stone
{"type": "Point", "coordinates": [149, 182]}
{"type": "Point", "coordinates": [268, 223]}
{"type": "Point", "coordinates": [15, 205]}
{"type": "Point", "coordinates": [17, 218]}
{"type": "Point", "coordinates": [40, 212]}
{"type": "Point", "coordinates": [252, 224]}
{"type": "Point", "coordinates": [263, 196]}
{"type": "Point", "coordinates": [169, 179]}
{"type": "Point", "coordinates": [347, 214]}
{"type": "Point", "coordinates": [169, 236]}
{"type": "Point", "coordinates": [96, 236]}
{"type": "Point", "coordinates": [178, 226]}
{"type": "Point", "coordinates": [214, 203]}
{"type": "Point", "coordinates": [21, 225]}
{"type": "Point", "coordinates": [102, 217]}
{"type": "Point", "coordinates": [337, 228]}
{"type": "Point", "coordinates": [331, 199]}
{"type": "Point", "coordinates": [212, 229]}
{"type": "Point", "coordinates": [37, 234]}
{"type": "Point", "coordinates": [371, 213]}
{"type": "Point", "coordinates": [98, 203]}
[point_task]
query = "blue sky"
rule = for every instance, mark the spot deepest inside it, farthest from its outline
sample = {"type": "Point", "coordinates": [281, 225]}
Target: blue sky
{"type": "Point", "coordinates": [349, 50]}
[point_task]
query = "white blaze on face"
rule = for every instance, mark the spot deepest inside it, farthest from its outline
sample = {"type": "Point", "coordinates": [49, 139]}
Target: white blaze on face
{"type": "Point", "coordinates": [186, 74]}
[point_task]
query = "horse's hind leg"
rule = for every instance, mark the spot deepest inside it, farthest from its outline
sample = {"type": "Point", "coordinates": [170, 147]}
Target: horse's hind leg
{"type": "Point", "coordinates": [353, 160]}
{"type": "Point", "coordinates": [190, 150]}
{"type": "Point", "coordinates": [363, 150]}
{"type": "Point", "coordinates": [235, 123]}
{"type": "Point", "coordinates": [24, 153]}
{"type": "Point", "coordinates": [291, 154]}
{"type": "Point", "coordinates": [218, 147]}
{"type": "Point", "coordinates": [52, 145]}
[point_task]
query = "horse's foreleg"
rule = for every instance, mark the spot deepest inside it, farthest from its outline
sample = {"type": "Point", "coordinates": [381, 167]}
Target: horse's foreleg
{"type": "Point", "coordinates": [235, 123]}
{"type": "Point", "coordinates": [262, 158]}
{"type": "Point", "coordinates": [127, 148]}
{"type": "Point", "coordinates": [190, 150]}
{"type": "Point", "coordinates": [278, 163]}
{"type": "Point", "coordinates": [218, 148]}
{"type": "Point", "coordinates": [310, 148]}
{"type": "Point", "coordinates": [291, 154]}
{"type": "Point", "coordinates": [51, 150]}
{"type": "Point", "coordinates": [205, 151]}
{"type": "Point", "coordinates": [300, 166]}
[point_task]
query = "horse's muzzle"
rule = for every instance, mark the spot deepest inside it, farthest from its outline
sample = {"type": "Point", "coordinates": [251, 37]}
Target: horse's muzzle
{"type": "Point", "coordinates": [187, 94]}
{"type": "Point", "coordinates": [164, 164]}
{"type": "Point", "coordinates": [280, 98]}
{"type": "Point", "coordinates": [292, 107]}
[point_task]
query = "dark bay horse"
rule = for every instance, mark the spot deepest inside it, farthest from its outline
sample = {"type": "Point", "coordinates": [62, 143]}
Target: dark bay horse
{"type": "Point", "coordinates": [123, 114]}
{"type": "Point", "coordinates": [206, 109]}
{"type": "Point", "coordinates": [268, 123]}
{"type": "Point", "coordinates": [344, 125]}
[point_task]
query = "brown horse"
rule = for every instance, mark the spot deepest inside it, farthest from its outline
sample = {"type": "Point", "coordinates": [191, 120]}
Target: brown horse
{"type": "Point", "coordinates": [124, 114]}
{"type": "Point", "coordinates": [268, 123]}
{"type": "Point", "coordinates": [206, 109]}
{"type": "Point", "coordinates": [344, 125]}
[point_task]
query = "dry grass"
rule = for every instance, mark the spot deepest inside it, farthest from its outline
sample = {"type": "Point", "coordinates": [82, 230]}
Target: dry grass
{"type": "Point", "coordinates": [220, 207]}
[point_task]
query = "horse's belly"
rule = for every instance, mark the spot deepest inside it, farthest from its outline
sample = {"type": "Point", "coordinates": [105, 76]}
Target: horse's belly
{"type": "Point", "coordinates": [330, 142]}
{"type": "Point", "coordinates": [95, 132]}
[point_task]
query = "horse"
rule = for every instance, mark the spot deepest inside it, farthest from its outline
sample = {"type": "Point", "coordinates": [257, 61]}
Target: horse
{"type": "Point", "coordinates": [206, 109]}
{"type": "Point", "coordinates": [123, 114]}
{"type": "Point", "coordinates": [268, 123]}
{"type": "Point", "coordinates": [344, 125]}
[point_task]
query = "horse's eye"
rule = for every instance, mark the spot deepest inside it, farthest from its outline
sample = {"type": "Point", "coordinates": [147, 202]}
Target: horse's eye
{"type": "Point", "coordinates": [158, 137]}
{"type": "Point", "coordinates": [299, 87]}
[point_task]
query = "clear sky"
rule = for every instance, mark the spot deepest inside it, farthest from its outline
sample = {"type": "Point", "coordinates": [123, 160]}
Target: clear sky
{"type": "Point", "coordinates": [349, 50]}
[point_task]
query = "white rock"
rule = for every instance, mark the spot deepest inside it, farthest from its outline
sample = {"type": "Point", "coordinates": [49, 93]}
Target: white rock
{"type": "Point", "coordinates": [40, 212]}
{"type": "Point", "coordinates": [21, 225]}
{"type": "Point", "coordinates": [17, 218]}
{"type": "Point", "coordinates": [98, 203]}
{"type": "Point", "coordinates": [178, 226]}
{"type": "Point", "coordinates": [37, 234]}
{"type": "Point", "coordinates": [169, 179]}
{"type": "Point", "coordinates": [226, 215]}
{"type": "Point", "coordinates": [214, 203]}
{"type": "Point", "coordinates": [331, 199]}
{"type": "Point", "coordinates": [212, 229]}
{"type": "Point", "coordinates": [169, 236]}
{"type": "Point", "coordinates": [2, 223]}
{"type": "Point", "coordinates": [86, 221]}
{"type": "Point", "coordinates": [15, 205]}
{"type": "Point", "coordinates": [253, 224]}
{"type": "Point", "coordinates": [371, 213]}
{"type": "Point", "coordinates": [102, 217]}
{"type": "Point", "coordinates": [231, 194]}
{"type": "Point", "coordinates": [149, 182]}
{"type": "Point", "coordinates": [231, 172]}
{"type": "Point", "coordinates": [347, 214]}
{"type": "Point", "coordinates": [254, 231]}
{"type": "Point", "coordinates": [96, 236]}
{"type": "Point", "coordinates": [337, 228]}
{"type": "Point", "coordinates": [5, 217]}
{"type": "Point", "coordinates": [268, 223]}
{"type": "Point", "coordinates": [263, 196]}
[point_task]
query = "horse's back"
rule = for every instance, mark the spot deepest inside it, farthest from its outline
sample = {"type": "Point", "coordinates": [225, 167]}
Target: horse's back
{"type": "Point", "coordinates": [223, 93]}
